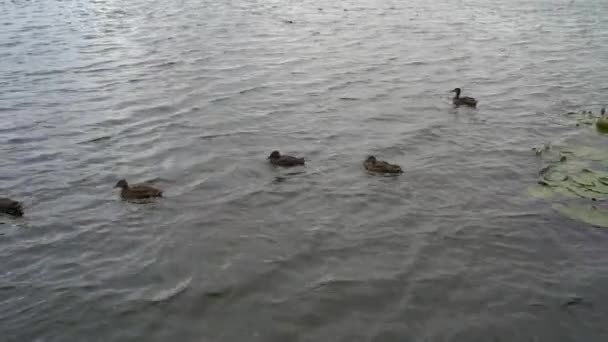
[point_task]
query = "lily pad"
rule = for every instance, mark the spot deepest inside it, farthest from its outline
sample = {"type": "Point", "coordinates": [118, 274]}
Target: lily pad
{"type": "Point", "coordinates": [602, 125]}
{"type": "Point", "coordinates": [583, 183]}
{"type": "Point", "coordinates": [585, 213]}
{"type": "Point", "coordinates": [586, 117]}
{"type": "Point", "coordinates": [548, 192]}
{"type": "Point", "coordinates": [577, 186]}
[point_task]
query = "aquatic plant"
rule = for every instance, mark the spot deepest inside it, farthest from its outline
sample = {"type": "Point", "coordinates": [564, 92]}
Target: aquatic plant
{"type": "Point", "coordinates": [576, 183]}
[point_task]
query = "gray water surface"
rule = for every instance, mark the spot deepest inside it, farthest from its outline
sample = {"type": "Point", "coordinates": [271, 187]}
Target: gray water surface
{"type": "Point", "coordinates": [193, 95]}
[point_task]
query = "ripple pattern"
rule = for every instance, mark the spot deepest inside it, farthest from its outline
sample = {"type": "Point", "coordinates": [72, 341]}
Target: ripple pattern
{"type": "Point", "coordinates": [194, 94]}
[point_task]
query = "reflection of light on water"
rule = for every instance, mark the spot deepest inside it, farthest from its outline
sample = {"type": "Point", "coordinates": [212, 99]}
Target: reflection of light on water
{"type": "Point", "coordinates": [172, 292]}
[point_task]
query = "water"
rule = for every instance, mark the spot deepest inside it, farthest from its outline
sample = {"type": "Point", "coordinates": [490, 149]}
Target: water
{"type": "Point", "coordinates": [193, 96]}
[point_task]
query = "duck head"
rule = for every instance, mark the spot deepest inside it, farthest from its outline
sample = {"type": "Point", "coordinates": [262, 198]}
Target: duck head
{"type": "Point", "coordinates": [274, 155]}
{"type": "Point", "coordinates": [122, 184]}
{"type": "Point", "coordinates": [457, 91]}
{"type": "Point", "coordinates": [371, 159]}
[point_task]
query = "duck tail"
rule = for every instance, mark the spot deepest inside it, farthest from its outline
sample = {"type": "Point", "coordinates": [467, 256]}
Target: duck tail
{"type": "Point", "coordinates": [17, 209]}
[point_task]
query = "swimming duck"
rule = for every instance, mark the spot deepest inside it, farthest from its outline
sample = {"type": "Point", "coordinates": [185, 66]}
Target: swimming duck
{"type": "Point", "coordinates": [467, 101]}
{"type": "Point", "coordinates": [283, 160]}
{"type": "Point", "coordinates": [373, 165]}
{"type": "Point", "coordinates": [137, 191]}
{"type": "Point", "coordinates": [10, 207]}
{"type": "Point", "coordinates": [603, 111]}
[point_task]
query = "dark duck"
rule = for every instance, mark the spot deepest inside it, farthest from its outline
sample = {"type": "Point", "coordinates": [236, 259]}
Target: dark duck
{"type": "Point", "coordinates": [276, 158]}
{"type": "Point", "coordinates": [463, 101]}
{"type": "Point", "coordinates": [137, 191]}
{"type": "Point", "coordinates": [371, 164]}
{"type": "Point", "coordinates": [10, 207]}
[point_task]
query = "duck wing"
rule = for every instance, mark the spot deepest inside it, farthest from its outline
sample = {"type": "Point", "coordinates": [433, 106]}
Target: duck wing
{"type": "Point", "coordinates": [142, 191]}
{"type": "Point", "coordinates": [469, 101]}
{"type": "Point", "coordinates": [289, 161]}
{"type": "Point", "coordinates": [390, 168]}
{"type": "Point", "coordinates": [382, 167]}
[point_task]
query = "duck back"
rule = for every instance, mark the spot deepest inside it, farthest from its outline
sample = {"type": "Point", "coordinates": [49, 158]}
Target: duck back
{"type": "Point", "coordinates": [466, 101]}
{"type": "Point", "coordinates": [287, 161]}
{"type": "Point", "coordinates": [141, 191]}
{"type": "Point", "coordinates": [10, 207]}
{"type": "Point", "coordinates": [382, 167]}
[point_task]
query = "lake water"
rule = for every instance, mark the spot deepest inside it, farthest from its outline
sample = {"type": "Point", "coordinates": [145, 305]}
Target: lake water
{"type": "Point", "coordinates": [193, 95]}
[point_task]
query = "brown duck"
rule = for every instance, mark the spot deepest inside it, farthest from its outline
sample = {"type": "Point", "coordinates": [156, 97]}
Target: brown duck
{"type": "Point", "coordinates": [379, 166]}
{"type": "Point", "coordinates": [10, 207]}
{"type": "Point", "coordinates": [284, 160]}
{"type": "Point", "coordinates": [466, 101]}
{"type": "Point", "coordinates": [137, 191]}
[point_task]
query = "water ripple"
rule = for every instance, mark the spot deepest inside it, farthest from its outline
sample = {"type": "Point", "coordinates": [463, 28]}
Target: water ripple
{"type": "Point", "coordinates": [194, 95]}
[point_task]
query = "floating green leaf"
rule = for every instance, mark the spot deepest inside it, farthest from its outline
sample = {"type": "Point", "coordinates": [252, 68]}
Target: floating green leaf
{"type": "Point", "coordinates": [602, 125]}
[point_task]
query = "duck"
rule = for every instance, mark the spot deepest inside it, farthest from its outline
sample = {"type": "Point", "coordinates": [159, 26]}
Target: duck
{"type": "Point", "coordinates": [276, 158]}
{"type": "Point", "coordinates": [373, 165]}
{"type": "Point", "coordinates": [10, 207]}
{"type": "Point", "coordinates": [137, 191]}
{"type": "Point", "coordinates": [467, 101]}
{"type": "Point", "coordinates": [603, 111]}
